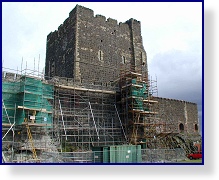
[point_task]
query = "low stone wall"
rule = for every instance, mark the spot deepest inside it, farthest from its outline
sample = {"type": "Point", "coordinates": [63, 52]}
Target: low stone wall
{"type": "Point", "coordinates": [162, 155]}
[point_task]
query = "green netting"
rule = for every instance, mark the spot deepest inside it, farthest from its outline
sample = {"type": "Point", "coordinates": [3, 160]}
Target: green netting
{"type": "Point", "coordinates": [10, 87]}
{"type": "Point", "coordinates": [47, 105]}
{"type": "Point", "coordinates": [48, 91]}
{"type": "Point", "coordinates": [28, 100]}
{"type": "Point", "coordinates": [30, 80]}
{"type": "Point", "coordinates": [134, 92]}
{"type": "Point", "coordinates": [133, 81]}
{"type": "Point", "coordinates": [31, 85]}
{"type": "Point", "coordinates": [30, 93]}
{"type": "Point", "coordinates": [10, 99]}
{"type": "Point", "coordinates": [10, 112]}
{"type": "Point", "coordinates": [144, 91]}
{"type": "Point", "coordinates": [20, 115]}
{"type": "Point", "coordinates": [139, 91]}
{"type": "Point", "coordinates": [138, 104]}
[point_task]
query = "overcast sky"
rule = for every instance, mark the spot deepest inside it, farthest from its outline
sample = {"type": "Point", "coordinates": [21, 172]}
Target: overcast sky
{"type": "Point", "coordinates": [172, 38]}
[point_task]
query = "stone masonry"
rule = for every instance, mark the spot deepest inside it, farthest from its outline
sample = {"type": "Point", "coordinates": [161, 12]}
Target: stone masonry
{"type": "Point", "coordinates": [179, 116]}
{"type": "Point", "coordinates": [91, 49]}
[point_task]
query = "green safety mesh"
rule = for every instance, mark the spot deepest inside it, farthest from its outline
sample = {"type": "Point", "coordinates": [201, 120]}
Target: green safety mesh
{"type": "Point", "coordinates": [31, 85]}
{"type": "Point", "coordinates": [31, 93]}
{"type": "Point", "coordinates": [139, 92]}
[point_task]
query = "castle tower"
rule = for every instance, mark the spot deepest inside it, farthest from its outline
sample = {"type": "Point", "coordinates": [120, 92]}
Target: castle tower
{"type": "Point", "coordinates": [91, 49]}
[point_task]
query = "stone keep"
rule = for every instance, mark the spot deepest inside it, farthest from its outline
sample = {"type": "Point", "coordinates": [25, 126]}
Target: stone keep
{"type": "Point", "coordinates": [91, 49]}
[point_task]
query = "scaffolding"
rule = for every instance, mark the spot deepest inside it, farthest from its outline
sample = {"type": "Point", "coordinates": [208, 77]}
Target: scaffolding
{"type": "Point", "coordinates": [85, 116]}
{"type": "Point", "coordinates": [61, 120]}
{"type": "Point", "coordinates": [139, 111]}
{"type": "Point", "coordinates": [58, 115]}
{"type": "Point", "coordinates": [27, 101]}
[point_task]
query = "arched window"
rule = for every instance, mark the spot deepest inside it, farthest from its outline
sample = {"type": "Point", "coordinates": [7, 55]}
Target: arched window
{"type": "Point", "coordinates": [123, 59]}
{"type": "Point", "coordinates": [100, 55]}
{"type": "Point", "coordinates": [181, 127]}
{"type": "Point", "coordinates": [196, 127]}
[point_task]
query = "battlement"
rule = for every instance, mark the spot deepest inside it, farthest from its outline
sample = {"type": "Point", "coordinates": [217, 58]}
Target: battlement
{"type": "Point", "coordinates": [52, 35]}
{"type": "Point", "coordinates": [60, 27]}
{"type": "Point", "coordinates": [131, 20]}
{"type": "Point", "coordinates": [83, 12]}
{"type": "Point", "coordinates": [100, 17]}
{"type": "Point", "coordinates": [88, 15]}
{"type": "Point", "coordinates": [66, 21]}
{"type": "Point", "coordinates": [112, 21]}
{"type": "Point", "coordinates": [123, 26]}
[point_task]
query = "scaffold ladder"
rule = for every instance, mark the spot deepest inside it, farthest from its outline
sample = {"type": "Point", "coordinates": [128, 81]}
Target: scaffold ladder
{"type": "Point", "coordinates": [121, 124]}
{"type": "Point", "coordinates": [30, 139]}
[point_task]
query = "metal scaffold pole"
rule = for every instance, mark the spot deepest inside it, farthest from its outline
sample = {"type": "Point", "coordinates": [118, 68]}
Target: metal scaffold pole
{"type": "Point", "coordinates": [63, 123]}
{"type": "Point", "coordinates": [94, 121]}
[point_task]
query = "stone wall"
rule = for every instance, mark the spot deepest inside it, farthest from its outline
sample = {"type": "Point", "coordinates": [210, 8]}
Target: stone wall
{"type": "Point", "coordinates": [60, 51]}
{"type": "Point", "coordinates": [162, 155]}
{"type": "Point", "coordinates": [179, 116]}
